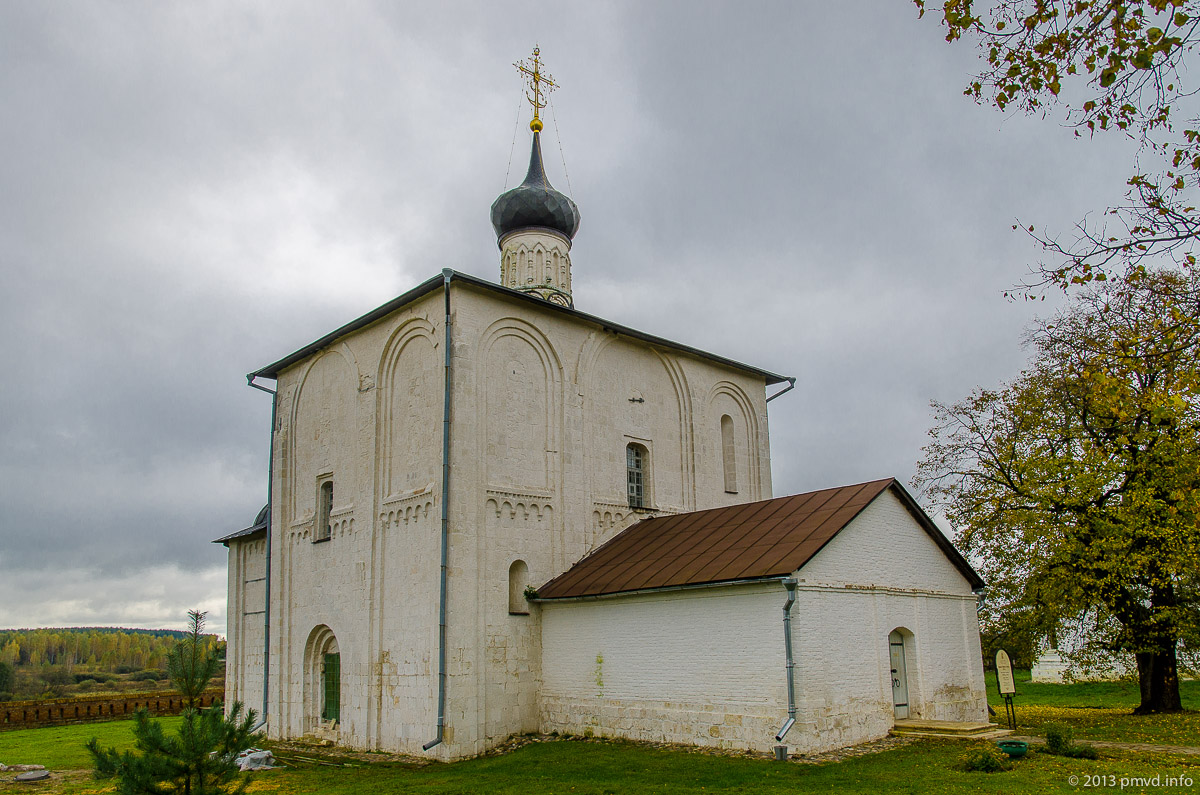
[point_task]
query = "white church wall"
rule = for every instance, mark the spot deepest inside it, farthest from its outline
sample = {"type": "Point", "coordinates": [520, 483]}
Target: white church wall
{"type": "Point", "coordinates": [540, 420]}
{"type": "Point", "coordinates": [702, 666]}
{"type": "Point", "coordinates": [320, 579]}
{"type": "Point", "coordinates": [507, 491]}
{"type": "Point", "coordinates": [244, 631]}
{"type": "Point", "coordinates": [367, 423]}
{"type": "Point", "coordinates": [407, 545]}
{"type": "Point", "coordinates": [542, 415]}
{"type": "Point", "coordinates": [405, 610]}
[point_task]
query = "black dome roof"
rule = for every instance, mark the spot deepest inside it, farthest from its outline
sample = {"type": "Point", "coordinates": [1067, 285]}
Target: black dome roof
{"type": "Point", "coordinates": [535, 203]}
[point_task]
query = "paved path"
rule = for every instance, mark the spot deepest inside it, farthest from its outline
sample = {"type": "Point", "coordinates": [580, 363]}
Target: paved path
{"type": "Point", "coordinates": [1169, 749]}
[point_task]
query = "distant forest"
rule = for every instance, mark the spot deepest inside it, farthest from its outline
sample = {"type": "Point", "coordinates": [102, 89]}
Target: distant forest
{"type": "Point", "coordinates": [95, 648]}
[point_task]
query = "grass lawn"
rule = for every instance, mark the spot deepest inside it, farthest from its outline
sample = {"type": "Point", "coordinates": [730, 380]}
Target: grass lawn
{"type": "Point", "coordinates": [1099, 711]}
{"type": "Point", "coordinates": [604, 768]}
{"type": "Point", "coordinates": [61, 747]}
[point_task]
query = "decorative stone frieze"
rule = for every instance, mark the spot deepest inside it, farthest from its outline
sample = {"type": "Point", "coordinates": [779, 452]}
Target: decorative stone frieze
{"type": "Point", "coordinates": [514, 503]}
{"type": "Point", "coordinates": [537, 261]}
{"type": "Point", "coordinates": [406, 510]}
{"type": "Point", "coordinates": [341, 523]}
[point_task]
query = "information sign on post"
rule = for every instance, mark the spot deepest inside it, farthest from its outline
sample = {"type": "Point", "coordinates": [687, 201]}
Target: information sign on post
{"type": "Point", "coordinates": [1004, 675]}
{"type": "Point", "coordinates": [1006, 686]}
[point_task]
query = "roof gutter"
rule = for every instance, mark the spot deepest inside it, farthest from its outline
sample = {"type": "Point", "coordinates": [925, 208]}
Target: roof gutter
{"type": "Point", "coordinates": [791, 385]}
{"type": "Point", "coordinates": [661, 589]}
{"type": "Point", "coordinates": [441, 702]}
{"type": "Point", "coordinates": [267, 575]}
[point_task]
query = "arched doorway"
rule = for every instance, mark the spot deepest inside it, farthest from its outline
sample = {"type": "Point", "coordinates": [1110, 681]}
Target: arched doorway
{"type": "Point", "coordinates": [897, 644]}
{"type": "Point", "coordinates": [322, 681]}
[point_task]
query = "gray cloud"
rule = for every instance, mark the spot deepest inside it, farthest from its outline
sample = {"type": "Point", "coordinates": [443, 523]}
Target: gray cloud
{"type": "Point", "coordinates": [194, 191]}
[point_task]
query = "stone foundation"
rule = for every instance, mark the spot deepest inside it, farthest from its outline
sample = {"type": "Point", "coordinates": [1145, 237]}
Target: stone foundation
{"type": "Point", "coordinates": [705, 725]}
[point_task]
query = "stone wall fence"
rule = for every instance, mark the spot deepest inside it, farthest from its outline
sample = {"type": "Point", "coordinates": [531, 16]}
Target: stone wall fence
{"type": "Point", "coordinates": [86, 709]}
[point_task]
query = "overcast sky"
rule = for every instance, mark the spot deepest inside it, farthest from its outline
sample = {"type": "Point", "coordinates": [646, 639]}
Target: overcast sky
{"type": "Point", "coordinates": [193, 190]}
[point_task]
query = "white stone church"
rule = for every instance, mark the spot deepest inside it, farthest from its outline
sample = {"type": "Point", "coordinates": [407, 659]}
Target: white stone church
{"type": "Point", "coordinates": [491, 513]}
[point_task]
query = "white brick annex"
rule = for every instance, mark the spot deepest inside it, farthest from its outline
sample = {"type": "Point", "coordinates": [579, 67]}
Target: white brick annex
{"type": "Point", "coordinates": [704, 662]}
{"type": "Point", "coordinates": [437, 460]}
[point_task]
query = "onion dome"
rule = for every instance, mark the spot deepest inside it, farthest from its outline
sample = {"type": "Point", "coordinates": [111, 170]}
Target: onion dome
{"type": "Point", "coordinates": [534, 203]}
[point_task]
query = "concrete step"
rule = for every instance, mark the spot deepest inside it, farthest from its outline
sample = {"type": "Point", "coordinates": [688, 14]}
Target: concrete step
{"type": "Point", "coordinates": [996, 734]}
{"type": "Point", "coordinates": [948, 728]}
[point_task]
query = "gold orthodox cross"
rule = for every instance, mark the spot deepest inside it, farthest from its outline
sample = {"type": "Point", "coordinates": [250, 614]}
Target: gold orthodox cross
{"type": "Point", "coordinates": [541, 83]}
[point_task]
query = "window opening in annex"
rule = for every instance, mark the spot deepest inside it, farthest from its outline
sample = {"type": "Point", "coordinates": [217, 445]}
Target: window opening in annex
{"type": "Point", "coordinates": [324, 528]}
{"type": "Point", "coordinates": [518, 579]}
{"type": "Point", "coordinates": [729, 454]}
{"type": "Point", "coordinates": [636, 458]}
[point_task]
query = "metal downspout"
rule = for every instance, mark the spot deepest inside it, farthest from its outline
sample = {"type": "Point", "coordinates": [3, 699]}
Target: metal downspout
{"type": "Point", "coordinates": [790, 584]}
{"type": "Point", "coordinates": [441, 717]}
{"type": "Point", "coordinates": [267, 579]}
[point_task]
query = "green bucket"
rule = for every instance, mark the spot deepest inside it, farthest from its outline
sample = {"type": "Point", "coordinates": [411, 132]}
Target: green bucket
{"type": "Point", "coordinates": [1014, 748]}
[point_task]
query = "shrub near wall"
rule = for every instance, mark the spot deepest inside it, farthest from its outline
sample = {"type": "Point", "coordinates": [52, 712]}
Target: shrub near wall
{"type": "Point", "coordinates": [55, 712]}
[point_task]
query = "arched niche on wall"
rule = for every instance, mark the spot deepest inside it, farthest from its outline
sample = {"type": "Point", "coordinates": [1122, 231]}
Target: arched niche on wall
{"type": "Point", "coordinates": [410, 409]}
{"type": "Point", "coordinates": [521, 406]}
{"type": "Point", "coordinates": [733, 441]}
{"type": "Point", "coordinates": [633, 391]}
{"type": "Point", "coordinates": [322, 679]}
{"type": "Point", "coordinates": [325, 425]}
{"type": "Point", "coordinates": [518, 581]}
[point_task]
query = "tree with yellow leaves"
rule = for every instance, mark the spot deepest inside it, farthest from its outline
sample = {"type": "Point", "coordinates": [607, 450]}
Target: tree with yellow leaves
{"type": "Point", "coordinates": [1076, 487]}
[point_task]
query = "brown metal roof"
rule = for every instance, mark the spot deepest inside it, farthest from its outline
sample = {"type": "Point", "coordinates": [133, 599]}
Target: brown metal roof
{"type": "Point", "coordinates": [772, 538]}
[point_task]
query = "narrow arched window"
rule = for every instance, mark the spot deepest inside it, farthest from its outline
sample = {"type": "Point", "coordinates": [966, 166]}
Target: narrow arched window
{"type": "Point", "coordinates": [324, 528]}
{"type": "Point", "coordinates": [729, 454]}
{"type": "Point", "coordinates": [635, 472]}
{"type": "Point", "coordinates": [518, 580]}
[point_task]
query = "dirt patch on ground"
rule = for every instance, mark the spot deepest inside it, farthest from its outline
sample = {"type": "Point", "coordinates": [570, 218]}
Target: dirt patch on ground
{"type": "Point", "coordinates": [56, 783]}
{"type": "Point", "coordinates": [310, 753]}
{"type": "Point", "coordinates": [842, 754]}
{"type": "Point", "coordinates": [883, 744]}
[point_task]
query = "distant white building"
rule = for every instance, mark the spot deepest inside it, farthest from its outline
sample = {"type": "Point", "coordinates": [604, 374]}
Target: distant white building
{"type": "Point", "coordinates": [1062, 659]}
{"type": "Point", "coordinates": [446, 559]}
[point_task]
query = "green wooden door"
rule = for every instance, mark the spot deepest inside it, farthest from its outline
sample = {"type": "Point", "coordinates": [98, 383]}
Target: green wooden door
{"type": "Point", "coordinates": [333, 687]}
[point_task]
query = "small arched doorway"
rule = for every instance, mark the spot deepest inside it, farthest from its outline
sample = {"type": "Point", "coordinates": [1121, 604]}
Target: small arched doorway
{"type": "Point", "coordinates": [896, 656]}
{"type": "Point", "coordinates": [322, 680]}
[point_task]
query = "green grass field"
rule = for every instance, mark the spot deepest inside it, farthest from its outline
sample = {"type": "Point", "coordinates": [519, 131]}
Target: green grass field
{"type": "Point", "coordinates": [601, 768]}
{"type": "Point", "coordinates": [598, 767]}
{"type": "Point", "coordinates": [1099, 711]}
{"type": "Point", "coordinates": [1088, 695]}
